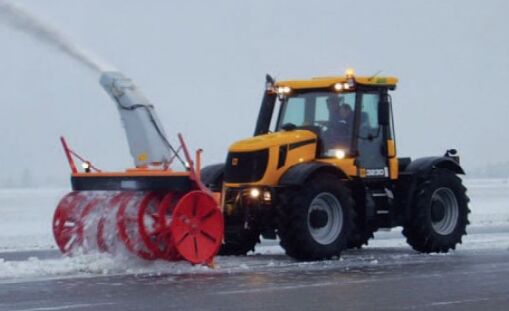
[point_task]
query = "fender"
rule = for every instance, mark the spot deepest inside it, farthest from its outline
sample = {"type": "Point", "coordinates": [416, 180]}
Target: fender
{"type": "Point", "coordinates": [423, 166]}
{"type": "Point", "coordinates": [298, 174]}
{"type": "Point", "coordinates": [212, 176]}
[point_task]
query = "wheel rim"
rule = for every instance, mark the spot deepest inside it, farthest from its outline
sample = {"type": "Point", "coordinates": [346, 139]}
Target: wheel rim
{"type": "Point", "coordinates": [444, 211]}
{"type": "Point", "coordinates": [325, 231]}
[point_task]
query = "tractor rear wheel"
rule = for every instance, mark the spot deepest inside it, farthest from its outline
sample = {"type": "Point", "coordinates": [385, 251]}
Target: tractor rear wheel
{"type": "Point", "coordinates": [317, 221]}
{"type": "Point", "coordinates": [439, 215]}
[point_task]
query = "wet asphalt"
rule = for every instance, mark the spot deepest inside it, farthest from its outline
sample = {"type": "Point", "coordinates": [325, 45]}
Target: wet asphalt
{"type": "Point", "coordinates": [470, 279]}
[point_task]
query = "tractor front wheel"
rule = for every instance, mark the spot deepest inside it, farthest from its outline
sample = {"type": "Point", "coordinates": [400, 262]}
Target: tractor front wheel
{"type": "Point", "coordinates": [317, 221]}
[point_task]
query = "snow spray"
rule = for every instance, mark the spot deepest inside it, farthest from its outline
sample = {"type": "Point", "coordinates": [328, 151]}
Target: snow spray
{"type": "Point", "coordinates": [18, 18]}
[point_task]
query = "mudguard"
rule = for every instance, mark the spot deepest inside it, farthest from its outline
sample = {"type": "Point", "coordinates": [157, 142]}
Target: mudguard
{"type": "Point", "coordinates": [423, 166]}
{"type": "Point", "coordinates": [212, 176]}
{"type": "Point", "coordinates": [298, 174]}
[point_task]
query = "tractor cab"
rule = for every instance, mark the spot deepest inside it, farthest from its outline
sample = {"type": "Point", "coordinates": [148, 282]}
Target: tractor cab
{"type": "Point", "coordinates": [350, 116]}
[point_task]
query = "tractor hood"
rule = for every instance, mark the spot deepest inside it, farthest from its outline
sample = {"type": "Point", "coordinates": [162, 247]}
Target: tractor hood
{"type": "Point", "coordinates": [260, 142]}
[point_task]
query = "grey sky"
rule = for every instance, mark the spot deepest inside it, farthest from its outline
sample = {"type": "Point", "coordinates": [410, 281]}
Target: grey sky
{"type": "Point", "coordinates": [202, 63]}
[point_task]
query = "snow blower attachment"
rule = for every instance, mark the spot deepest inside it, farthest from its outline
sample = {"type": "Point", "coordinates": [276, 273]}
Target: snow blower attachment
{"type": "Point", "coordinates": [151, 210]}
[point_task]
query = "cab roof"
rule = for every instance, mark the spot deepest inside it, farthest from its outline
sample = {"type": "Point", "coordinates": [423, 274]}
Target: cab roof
{"type": "Point", "coordinates": [327, 82]}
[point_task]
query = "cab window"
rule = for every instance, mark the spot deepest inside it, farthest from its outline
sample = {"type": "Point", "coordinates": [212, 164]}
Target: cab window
{"type": "Point", "coordinates": [293, 112]}
{"type": "Point", "coordinates": [369, 126]}
{"type": "Point", "coordinates": [329, 115]}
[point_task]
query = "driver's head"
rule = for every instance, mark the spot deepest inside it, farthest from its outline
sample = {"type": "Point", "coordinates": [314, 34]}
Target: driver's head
{"type": "Point", "coordinates": [334, 100]}
{"type": "Point", "coordinates": [333, 104]}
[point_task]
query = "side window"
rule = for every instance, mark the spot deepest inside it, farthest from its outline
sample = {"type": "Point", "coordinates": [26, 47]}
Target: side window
{"type": "Point", "coordinates": [321, 112]}
{"type": "Point", "coordinates": [273, 121]}
{"type": "Point", "coordinates": [369, 116]}
{"type": "Point", "coordinates": [293, 112]}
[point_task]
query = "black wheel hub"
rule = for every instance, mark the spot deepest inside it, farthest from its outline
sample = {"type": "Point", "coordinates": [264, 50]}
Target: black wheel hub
{"type": "Point", "coordinates": [437, 211]}
{"type": "Point", "coordinates": [318, 219]}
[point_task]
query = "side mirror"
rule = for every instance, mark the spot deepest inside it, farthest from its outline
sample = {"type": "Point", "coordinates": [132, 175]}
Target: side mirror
{"type": "Point", "coordinates": [269, 83]}
{"type": "Point", "coordinates": [384, 110]}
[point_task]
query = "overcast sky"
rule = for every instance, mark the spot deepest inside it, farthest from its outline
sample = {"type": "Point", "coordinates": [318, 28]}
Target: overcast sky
{"type": "Point", "coordinates": [202, 63]}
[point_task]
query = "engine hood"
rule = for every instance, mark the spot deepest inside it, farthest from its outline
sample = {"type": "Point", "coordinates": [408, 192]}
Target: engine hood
{"type": "Point", "coordinates": [272, 139]}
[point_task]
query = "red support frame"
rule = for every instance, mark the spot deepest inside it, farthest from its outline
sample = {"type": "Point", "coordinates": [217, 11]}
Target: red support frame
{"type": "Point", "coordinates": [69, 153]}
{"type": "Point", "coordinates": [190, 163]}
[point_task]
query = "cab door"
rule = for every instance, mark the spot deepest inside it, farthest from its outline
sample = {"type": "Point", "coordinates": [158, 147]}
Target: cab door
{"type": "Point", "coordinates": [372, 159]}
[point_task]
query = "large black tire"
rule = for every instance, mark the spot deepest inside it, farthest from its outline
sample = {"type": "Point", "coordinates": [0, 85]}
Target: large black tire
{"type": "Point", "coordinates": [239, 241]}
{"type": "Point", "coordinates": [305, 232]}
{"type": "Point", "coordinates": [439, 215]}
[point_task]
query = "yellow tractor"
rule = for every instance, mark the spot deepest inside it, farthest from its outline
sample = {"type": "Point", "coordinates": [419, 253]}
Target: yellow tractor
{"type": "Point", "coordinates": [321, 173]}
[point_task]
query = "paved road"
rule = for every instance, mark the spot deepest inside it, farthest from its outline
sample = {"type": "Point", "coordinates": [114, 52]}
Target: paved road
{"type": "Point", "coordinates": [379, 278]}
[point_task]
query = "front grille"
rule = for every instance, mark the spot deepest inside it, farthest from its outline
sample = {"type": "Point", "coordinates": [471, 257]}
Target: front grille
{"type": "Point", "coordinates": [244, 167]}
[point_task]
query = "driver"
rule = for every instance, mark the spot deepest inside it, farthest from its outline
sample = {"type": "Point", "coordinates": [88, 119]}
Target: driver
{"type": "Point", "coordinates": [346, 114]}
{"type": "Point", "coordinates": [333, 105]}
{"type": "Point", "coordinates": [340, 123]}
{"type": "Point", "coordinates": [339, 111]}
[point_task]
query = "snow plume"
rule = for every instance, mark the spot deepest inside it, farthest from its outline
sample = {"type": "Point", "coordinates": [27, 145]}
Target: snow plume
{"type": "Point", "coordinates": [18, 18]}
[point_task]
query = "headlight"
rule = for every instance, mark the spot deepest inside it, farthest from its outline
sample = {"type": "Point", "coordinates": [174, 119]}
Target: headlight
{"type": "Point", "coordinates": [337, 153]}
{"type": "Point", "coordinates": [254, 193]}
{"type": "Point", "coordinates": [86, 166]}
{"type": "Point", "coordinates": [338, 87]}
{"type": "Point", "coordinates": [260, 194]}
{"type": "Point", "coordinates": [283, 90]}
{"type": "Point", "coordinates": [267, 196]}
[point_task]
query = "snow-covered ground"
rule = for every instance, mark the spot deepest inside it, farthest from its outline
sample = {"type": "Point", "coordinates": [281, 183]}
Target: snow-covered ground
{"type": "Point", "coordinates": [26, 217]}
{"type": "Point", "coordinates": [25, 225]}
{"type": "Point", "coordinates": [489, 201]}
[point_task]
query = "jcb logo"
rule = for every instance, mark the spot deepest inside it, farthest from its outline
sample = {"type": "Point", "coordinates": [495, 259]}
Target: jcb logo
{"type": "Point", "coordinates": [235, 161]}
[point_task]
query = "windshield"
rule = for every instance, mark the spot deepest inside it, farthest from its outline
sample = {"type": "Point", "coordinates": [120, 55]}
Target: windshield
{"type": "Point", "coordinates": [329, 115]}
